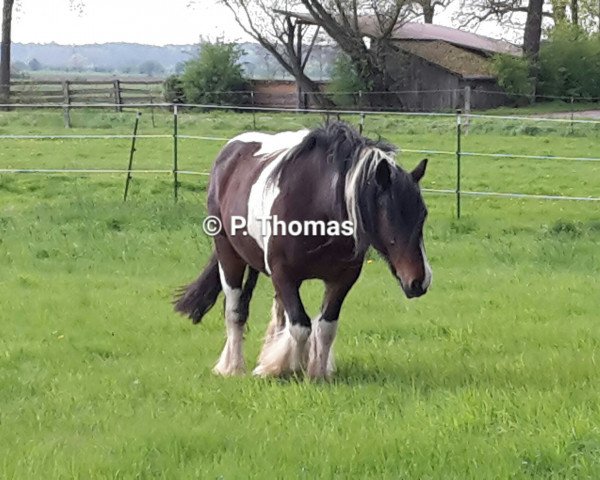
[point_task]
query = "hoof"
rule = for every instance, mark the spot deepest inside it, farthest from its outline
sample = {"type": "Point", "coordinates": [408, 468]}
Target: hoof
{"type": "Point", "coordinates": [264, 371]}
{"type": "Point", "coordinates": [229, 370]}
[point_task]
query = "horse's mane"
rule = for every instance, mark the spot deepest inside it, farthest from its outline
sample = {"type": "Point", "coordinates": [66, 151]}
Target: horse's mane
{"type": "Point", "coordinates": [356, 158]}
{"type": "Point", "coordinates": [341, 141]}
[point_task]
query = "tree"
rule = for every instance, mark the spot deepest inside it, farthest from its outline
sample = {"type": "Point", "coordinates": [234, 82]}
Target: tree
{"type": "Point", "coordinates": [34, 65]}
{"type": "Point", "coordinates": [151, 68]}
{"type": "Point", "coordinates": [274, 25]}
{"type": "Point", "coordinates": [345, 83]}
{"type": "Point", "coordinates": [569, 63]}
{"type": "Point", "coordinates": [524, 15]}
{"type": "Point", "coordinates": [513, 13]}
{"type": "Point", "coordinates": [349, 22]}
{"type": "Point", "coordinates": [215, 76]}
{"type": "Point", "coordinates": [7, 11]}
{"type": "Point", "coordinates": [533, 31]}
{"type": "Point", "coordinates": [513, 75]}
{"type": "Point", "coordinates": [427, 8]}
{"type": "Point", "coordinates": [281, 35]}
{"type": "Point", "coordinates": [173, 90]}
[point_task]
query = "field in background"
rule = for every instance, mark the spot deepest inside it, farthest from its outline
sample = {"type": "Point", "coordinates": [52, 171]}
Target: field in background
{"type": "Point", "coordinates": [493, 374]}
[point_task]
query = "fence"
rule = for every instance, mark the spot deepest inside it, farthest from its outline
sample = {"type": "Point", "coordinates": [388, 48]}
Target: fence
{"type": "Point", "coordinates": [277, 94]}
{"type": "Point", "coordinates": [459, 153]}
{"type": "Point", "coordinates": [121, 93]}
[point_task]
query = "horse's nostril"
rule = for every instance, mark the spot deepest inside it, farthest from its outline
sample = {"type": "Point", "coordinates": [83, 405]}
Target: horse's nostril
{"type": "Point", "coordinates": [415, 285]}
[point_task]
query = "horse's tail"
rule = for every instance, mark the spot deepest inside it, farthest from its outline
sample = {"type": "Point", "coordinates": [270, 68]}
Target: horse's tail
{"type": "Point", "coordinates": [196, 299]}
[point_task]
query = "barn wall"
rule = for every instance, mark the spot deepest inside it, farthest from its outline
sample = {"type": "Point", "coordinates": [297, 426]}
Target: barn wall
{"type": "Point", "coordinates": [436, 89]}
{"type": "Point", "coordinates": [275, 93]}
{"type": "Point", "coordinates": [432, 88]}
{"type": "Point", "coordinates": [486, 94]}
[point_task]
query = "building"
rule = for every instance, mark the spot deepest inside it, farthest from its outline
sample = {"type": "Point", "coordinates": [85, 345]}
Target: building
{"type": "Point", "coordinates": [436, 68]}
{"type": "Point", "coordinates": [442, 68]}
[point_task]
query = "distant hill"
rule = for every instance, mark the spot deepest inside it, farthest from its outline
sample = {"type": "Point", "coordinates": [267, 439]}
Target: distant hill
{"type": "Point", "coordinates": [131, 58]}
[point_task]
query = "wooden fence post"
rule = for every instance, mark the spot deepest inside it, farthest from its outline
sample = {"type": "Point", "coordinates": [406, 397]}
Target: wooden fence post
{"type": "Point", "coordinates": [117, 93]}
{"type": "Point", "coordinates": [67, 102]}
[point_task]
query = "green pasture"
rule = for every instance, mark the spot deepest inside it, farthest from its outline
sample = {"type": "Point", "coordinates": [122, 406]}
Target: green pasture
{"type": "Point", "coordinates": [495, 373]}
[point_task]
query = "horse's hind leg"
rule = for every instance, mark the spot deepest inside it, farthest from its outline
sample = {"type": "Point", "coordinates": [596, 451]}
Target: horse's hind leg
{"type": "Point", "coordinates": [237, 301]}
{"type": "Point", "coordinates": [277, 323]}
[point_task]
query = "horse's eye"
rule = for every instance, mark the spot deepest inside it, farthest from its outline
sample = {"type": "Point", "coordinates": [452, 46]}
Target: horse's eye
{"type": "Point", "coordinates": [392, 242]}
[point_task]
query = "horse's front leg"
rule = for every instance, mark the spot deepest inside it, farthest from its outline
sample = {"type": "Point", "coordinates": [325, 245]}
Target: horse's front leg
{"type": "Point", "coordinates": [320, 360]}
{"type": "Point", "coordinates": [283, 351]}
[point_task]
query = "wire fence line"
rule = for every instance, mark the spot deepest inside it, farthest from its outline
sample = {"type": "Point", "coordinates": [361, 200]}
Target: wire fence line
{"type": "Point", "coordinates": [176, 136]}
{"type": "Point", "coordinates": [207, 174]}
{"type": "Point", "coordinates": [224, 139]}
{"type": "Point", "coordinates": [533, 118]}
{"type": "Point", "coordinates": [321, 111]}
{"type": "Point", "coordinates": [97, 170]}
{"type": "Point", "coordinates": [511, 195]}
{"type": "Point", "coordinates": [80, 137]}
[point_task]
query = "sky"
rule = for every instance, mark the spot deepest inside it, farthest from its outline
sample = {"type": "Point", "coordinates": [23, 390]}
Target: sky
{"type": "Point", "coordinates": [135, 21]}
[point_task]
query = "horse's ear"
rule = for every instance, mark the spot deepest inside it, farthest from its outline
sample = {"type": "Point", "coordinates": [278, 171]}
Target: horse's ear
{"type": "Point", "coordinates": [383, 174]}
{"type": "Point", "coordinates": [419, 171]}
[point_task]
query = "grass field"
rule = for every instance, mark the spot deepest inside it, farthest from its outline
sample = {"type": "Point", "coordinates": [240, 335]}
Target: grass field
{"type": "Point", "coordinates": [493, 374]}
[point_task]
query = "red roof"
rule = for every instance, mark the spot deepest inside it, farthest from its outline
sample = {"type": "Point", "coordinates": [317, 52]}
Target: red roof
{"type": "Point", "coordinates": [429, 32]}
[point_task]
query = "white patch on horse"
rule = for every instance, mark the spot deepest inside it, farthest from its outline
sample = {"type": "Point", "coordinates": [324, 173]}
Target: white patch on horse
{"type": "Point", "coordinates": [266, 188]}
{"type": "Point", "coordinates": [271, 143]}
{"type": "Point", "coordinates": [369, 158]}
{"type": "Point", "coordinates": [284, 352]}
{"type": "Point", "coordinates": [231, 361]}
{"type": "Point", "coordinates": [428, 273]}
{"type": "Point", "coordinates": [334, 181]}
{"type": "Point", "coordinates": [320, 360]}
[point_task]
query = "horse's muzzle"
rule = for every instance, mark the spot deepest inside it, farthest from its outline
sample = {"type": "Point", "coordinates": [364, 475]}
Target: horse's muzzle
{"type": "Point", "coordinates": [414, 290]}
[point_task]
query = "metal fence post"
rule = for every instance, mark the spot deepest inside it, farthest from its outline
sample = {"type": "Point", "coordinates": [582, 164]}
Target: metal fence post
{"type": "Point", "coordinates": [175, 168]}
{"type": "Point", "coordinates": [458, 155]}
{"type": "Point", "coordinates": [131, 152]}
{"type": "Point", "coordinates": [253, 110]}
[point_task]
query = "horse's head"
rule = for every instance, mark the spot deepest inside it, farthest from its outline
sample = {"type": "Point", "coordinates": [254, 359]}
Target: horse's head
{"type": "Point", "coordinates": [400, 215]}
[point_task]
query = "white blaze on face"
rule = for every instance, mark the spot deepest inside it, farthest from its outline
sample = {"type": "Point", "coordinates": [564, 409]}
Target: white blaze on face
{"type": "Point", "coordinates": [427, 267]}
{"type": "Point", "coordinates": [266, 188]}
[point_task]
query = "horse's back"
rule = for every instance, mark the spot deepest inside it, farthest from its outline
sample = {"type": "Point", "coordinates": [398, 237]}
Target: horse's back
{"type": "Point", "coordinates": [271, 143]}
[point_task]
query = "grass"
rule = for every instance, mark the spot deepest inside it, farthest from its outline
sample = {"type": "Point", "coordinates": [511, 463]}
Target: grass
{"type": "Point", "coordinates": [493, 374]}
{"type": "Point", "coordinates": [543, 107]}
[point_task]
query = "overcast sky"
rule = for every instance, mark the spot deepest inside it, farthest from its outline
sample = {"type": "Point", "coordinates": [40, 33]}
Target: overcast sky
{"type": "Point", "coordinates": [137, 21]}
{"type": "Point", "coordinates": [156, 22]}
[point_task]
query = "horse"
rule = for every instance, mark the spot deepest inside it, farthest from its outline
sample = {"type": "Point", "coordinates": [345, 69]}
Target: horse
{"type": "Point", "coordinates": [328, 174]}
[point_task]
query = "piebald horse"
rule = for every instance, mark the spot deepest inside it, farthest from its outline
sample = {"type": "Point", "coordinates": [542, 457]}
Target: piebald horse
{"type": "Point", "coordinates": [328, 174]}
